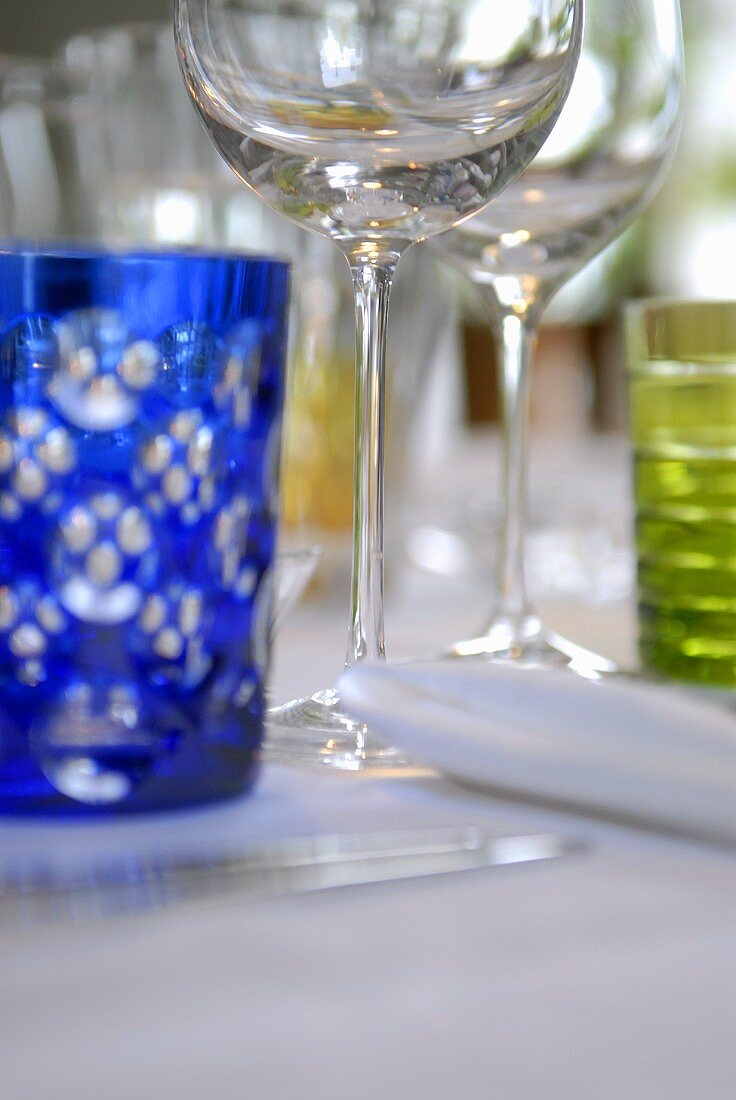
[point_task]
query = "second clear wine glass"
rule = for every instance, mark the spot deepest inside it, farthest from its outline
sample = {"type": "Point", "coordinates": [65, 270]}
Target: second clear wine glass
{"type": "Point", "coordinates": [377, 123]}
{"type": "Point", "coordinates": [601, 167]}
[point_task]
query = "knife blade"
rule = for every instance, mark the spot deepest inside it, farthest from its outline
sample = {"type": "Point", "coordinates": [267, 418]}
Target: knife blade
{"type": "Point", "coordinates": [32, 893]}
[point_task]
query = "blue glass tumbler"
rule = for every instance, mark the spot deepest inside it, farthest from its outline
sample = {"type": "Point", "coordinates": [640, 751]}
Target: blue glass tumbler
{"type": "Point", "coordinates": [140, 414]}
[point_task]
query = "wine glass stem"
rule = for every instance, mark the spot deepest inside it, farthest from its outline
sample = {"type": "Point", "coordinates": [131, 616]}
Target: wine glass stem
{"type": "Point", "coordinates": [516, 337]}
{"type": "Point", "coordinates": [372, 280]}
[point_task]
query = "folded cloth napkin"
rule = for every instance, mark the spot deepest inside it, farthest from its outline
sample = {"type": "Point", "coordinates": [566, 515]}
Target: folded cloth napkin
{"type": "Point", "coordinates": [651, 753]}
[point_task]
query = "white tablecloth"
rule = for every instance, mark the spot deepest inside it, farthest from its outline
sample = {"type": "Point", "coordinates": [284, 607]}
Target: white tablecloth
{"type": "Point", "coordinates": [606, 975]}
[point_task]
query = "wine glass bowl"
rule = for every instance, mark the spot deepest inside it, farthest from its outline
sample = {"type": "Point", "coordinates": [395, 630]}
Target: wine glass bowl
{"type": "Point", "coordinates": [601, 167]}
{"type": "Point", "coordinates": [604, 160]}
{"type": "Point", "coordinates": [376, 123]}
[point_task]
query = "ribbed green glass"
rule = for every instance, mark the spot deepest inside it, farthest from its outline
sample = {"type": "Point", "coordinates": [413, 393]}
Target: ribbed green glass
{"type": "Point", "coordinates": [682, 386]}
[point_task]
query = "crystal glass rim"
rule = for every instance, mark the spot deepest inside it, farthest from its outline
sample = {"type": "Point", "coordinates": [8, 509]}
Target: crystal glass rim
{"type": "Point", "coordinates": [683, 329]}
{"type": "Point", "coordinates": [656, 303]}
{"type": "Point", "coordinates": [96, 251]}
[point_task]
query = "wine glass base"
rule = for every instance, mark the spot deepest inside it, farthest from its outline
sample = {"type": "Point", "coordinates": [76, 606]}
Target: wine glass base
{"type": "Point", "coordinates": [316, 731]}
{"type": "Point", "coordinates": [532, 646]}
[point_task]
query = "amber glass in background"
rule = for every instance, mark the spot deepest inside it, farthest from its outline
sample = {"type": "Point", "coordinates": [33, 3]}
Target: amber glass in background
{"type": "Point", "coordinates": [682, 387]}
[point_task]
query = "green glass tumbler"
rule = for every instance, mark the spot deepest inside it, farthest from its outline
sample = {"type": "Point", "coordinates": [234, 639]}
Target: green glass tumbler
{"type": "Point", "coordinates": [682, 391]}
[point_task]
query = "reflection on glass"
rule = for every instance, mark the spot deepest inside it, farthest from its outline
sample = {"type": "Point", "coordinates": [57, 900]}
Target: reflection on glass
{"type": "Point", "coordinates": [600, 167]}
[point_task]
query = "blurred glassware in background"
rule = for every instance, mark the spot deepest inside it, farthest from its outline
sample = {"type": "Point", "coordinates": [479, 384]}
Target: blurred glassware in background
{"type": "Point", "coordinates": [579, 547]}
{"type": "Point", "coordinates": [44, 117]}
{"type": "Point", "coordinates": [152, 174]}
{"type": "Point", "coordinates": [6, 202]}
{"type": "Point", "coordinates": [691, 234]}
{"type": "Point", "coordinates": [293, 571]}
{"type": "Point", "coordinates": [599, 168]}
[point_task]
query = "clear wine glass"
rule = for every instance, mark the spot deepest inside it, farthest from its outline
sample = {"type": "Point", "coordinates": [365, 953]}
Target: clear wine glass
{"type": "Point", "coordinates": [377, 123]}
{"type": "Point", "coordinates": [602, 166]}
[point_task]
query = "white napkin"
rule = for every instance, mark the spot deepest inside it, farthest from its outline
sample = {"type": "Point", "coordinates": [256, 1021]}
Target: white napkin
{"type": "Point", "coordinates": [651, 753]}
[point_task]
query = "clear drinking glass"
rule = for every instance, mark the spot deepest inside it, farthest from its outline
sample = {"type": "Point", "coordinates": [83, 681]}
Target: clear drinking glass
{"type": "Point", "coordinates": [376, 125]}
{"type": "Point", "coordinates": [602, 165]}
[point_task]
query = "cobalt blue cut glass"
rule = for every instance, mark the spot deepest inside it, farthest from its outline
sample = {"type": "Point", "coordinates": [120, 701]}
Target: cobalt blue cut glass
{"type": "Point", "coordinates": [140, 414]}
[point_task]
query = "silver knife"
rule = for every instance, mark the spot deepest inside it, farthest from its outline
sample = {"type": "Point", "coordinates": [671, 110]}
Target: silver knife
{"type": "Point", "coordinates": [31, 893]}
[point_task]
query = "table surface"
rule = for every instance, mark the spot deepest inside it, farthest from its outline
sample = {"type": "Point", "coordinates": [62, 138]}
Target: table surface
{"type": "Point", "coordinates": [607, 974]}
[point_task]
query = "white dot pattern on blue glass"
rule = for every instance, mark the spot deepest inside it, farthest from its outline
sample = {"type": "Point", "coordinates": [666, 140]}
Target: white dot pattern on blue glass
{"type": "Point", "coordinates": [171, 636]}
{"type": "Point", "coordinates": [38, 457]}
{"type": "Point", "coordinates": [180, 465]}
{"type": "Point", "coordinates": [103, 559]}
{"type": "Point", "coordinates": [34, 630]}
{"type": "Point", "coordinates": [103, 370]}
